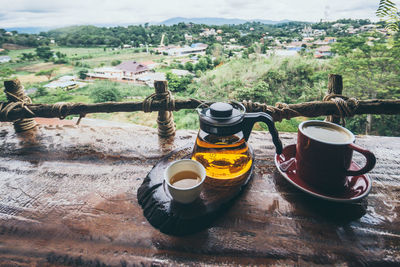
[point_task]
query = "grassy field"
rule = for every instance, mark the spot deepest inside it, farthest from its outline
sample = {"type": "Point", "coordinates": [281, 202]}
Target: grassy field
{"type": "Point", "coordinates": [93, 57]}
{"type": "Point", "coordinates": [88, 57]}
{"type": "Point", "coordinates": [218, 84]}
{"type": "Point", "coordinates": [96, 56]}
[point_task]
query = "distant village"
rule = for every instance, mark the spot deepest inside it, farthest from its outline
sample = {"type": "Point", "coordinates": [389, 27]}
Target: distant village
{"type": "Point", "coordinates": [314, 41]}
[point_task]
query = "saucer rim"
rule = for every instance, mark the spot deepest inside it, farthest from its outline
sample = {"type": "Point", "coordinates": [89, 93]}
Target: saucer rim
{"type": "Point", "coordinates": [320, 194]}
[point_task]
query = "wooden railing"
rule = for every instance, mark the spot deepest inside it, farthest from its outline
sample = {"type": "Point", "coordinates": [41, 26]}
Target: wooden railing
{"type": "Point", "coordinates": [20, 110]}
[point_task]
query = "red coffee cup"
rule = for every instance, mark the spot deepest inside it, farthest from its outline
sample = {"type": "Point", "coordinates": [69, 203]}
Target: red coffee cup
{"type": "Point", "coordinates": [324, 152]}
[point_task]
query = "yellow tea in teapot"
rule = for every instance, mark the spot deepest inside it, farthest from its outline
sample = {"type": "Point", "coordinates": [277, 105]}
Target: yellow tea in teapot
{"type": "Point", "coordinates": [225, 157]}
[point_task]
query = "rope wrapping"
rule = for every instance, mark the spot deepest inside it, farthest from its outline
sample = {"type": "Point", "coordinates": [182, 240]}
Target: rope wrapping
{"type": "Point", "coordinates": [18, 99]}
{"type": "Point", "coordinates": [346, 106]}
{"type": "Point", "coordinates": [165, 120]}
{"type": "Point", "coordinates": [279, 112]}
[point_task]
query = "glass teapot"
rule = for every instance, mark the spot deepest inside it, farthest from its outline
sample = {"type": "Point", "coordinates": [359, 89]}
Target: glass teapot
{"type": "Point", "coordinates": [221, 142]}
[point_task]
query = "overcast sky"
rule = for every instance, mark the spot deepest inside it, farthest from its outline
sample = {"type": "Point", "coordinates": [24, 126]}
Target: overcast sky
{"type": "Point", "coordinates": [53, 13]}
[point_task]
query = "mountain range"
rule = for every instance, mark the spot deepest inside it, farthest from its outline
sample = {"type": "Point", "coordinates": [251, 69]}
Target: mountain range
{"type": "Point", "coordinates": [217, 21]}
{"type": "Point", "coordinates": [168, 22]}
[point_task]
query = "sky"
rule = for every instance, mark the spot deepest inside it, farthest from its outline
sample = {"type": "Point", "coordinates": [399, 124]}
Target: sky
{"type": "Point", "coordinates": [58, 13]}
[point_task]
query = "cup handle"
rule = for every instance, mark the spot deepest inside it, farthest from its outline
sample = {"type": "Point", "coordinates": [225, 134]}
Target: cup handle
{"type": "Point", "coordinates": [371, 160]}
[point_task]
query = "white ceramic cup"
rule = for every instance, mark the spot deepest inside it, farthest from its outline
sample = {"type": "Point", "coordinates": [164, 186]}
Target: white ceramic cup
{"type": "Point", "coordinates": [185, 195]}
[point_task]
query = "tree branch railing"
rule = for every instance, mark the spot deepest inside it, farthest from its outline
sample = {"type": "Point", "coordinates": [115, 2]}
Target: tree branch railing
{"type": "Point", "coordinates": [163, 102]}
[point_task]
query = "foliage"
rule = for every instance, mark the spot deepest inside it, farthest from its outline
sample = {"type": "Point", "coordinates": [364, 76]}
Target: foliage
{"type": "Point", "coordinates": [82, 74]}
{"type": "Point", "coordinates": [6, 72]}
{"type": "Point", "coordinates": [27, 57]}
{"type": "Point", "coordinates": [266, 80]}
{"type": "Point", "coordinates": [347, 45]}
{"type": "Point", "coordinates": [178, 84]}
{"type": "Point", "coordinates": [105, 94]}
{"type": "Point", "coordinates": [260, 92]}
{"type": "Point", "coordinates": [388, 11]}
{"type": "Point", "coordinates": [215, 50]}
{"type": "Point", "coordinates": [369, 66]}
{"type": "Point", "coordinates": [61, 58]}
{"type": "Point", "coordinates": [44, 52]}
{"type": "Point", "coordinates": [186, 119]}
{"type": "Point", "coordinates": [387, 125]}
{"type": "Point", "coordinates": [202, 64]}
{"type": "Point", "coordinates": [189, 66]}
{"type": "Point", "coordinates": [284, 125]}
{"type": "Point", "coordinates": [115, 62]}
{"type": "Point", "coordinates": [89, 36]}
{"type": "Point", "coordinates": [51, 97]}
{"type": "Point", "coordinates": [370, 71]}
{"type": "Point", "coordinates": [41, 91]}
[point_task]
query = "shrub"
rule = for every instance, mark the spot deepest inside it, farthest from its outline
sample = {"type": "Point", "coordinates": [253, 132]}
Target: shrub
{"type": "Point", "coordinates": [105, 94]}
{"type": "Point", "coordinates": [178, 84]}
{"type": "Point", "coordinates": [115, 62]}
{"type": "Point", "coordinates": [82, 74]}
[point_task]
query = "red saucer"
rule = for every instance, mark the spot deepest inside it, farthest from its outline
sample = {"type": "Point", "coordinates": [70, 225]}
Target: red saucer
{"type": "Point", "coordinates": [358, 186]}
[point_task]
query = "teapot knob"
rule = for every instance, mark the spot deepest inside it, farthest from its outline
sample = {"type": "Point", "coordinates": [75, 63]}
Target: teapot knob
{"type": "Point", "coordinates": [221, 110]}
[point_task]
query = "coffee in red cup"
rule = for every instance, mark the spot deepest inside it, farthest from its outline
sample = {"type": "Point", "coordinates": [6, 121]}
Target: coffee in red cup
{"type": "Point", "coordinates": [324, 152]}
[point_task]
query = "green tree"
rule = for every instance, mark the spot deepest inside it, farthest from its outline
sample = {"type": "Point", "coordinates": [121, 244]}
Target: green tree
{"type": "Point", "coordinates": [178, 84]}
{"type": "Point", "coordinates": [61, 58]}
{"type": "Point", "coordinates": [44, 52]}
{"type": "Point", "coordinates": [105, 94]}
{"type": "Point", "coordinates": [260, 93]}
{"type": "Point", "coordinates": [115, 62]}
{"type": "Point", "coordinates": [347, 45]}
{"type": "Point", "coordinates": [189, 66]}
{"type": "Point", "coordinates": [202, 64]}
{"type": "Point", "coordinates": [215, 50]}
{"type": "Point", "coordinates": [245, 54]}
{"type": "Point", "coordinates": [217, 61]}
{"type": "Point", "coordinates": [27, 57]}
{"type": "Point", "coordinates": [41, 91]}
{"type": "Point", "coordinates": [370, 72]}
{"type": "Point", "coordinates": [83, 74]}
{"type": "Point", "coordinates": [166, 40]}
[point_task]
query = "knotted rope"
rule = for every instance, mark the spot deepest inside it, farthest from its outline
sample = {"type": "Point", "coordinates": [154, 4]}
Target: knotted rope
{"type": "Point", "coordinates": [64, 108]}
{"type": "Point", "coordinates": [346, 106]}
{"type": "Point", "coordinates": [165, 120]}
{"type": "Point", "coordinates": [163, 97]}
{"type": "Point", "coordinates": [279, 112]}
{"type": "Point", "coordinates": [18, 99]}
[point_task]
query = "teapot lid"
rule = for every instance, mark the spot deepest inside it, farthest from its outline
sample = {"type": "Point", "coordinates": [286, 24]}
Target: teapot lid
{"type": "Point", "coordinates": [221, 118]}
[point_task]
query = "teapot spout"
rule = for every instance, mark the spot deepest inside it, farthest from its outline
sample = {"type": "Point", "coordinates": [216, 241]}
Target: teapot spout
{"type": "Point", "coordinates": [251, 118]}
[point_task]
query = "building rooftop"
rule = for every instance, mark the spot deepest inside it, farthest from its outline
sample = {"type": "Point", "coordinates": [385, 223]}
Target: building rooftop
{"type": "Point", "coordinates": [132, 66]}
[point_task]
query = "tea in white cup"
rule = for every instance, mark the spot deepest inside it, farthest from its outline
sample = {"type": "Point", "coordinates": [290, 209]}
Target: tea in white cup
{"type": "Point", "coordinates": [185, 179]}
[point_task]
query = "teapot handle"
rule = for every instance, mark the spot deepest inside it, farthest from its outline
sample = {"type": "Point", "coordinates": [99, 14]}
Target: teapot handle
{"type": "Point", "coordinates": [251, 118]}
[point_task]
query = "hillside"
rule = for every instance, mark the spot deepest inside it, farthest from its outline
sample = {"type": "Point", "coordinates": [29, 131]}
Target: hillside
{"type": "Point", "coordinates": [217, 21]}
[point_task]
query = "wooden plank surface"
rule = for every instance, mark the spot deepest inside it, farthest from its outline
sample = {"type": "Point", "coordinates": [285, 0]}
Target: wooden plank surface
{"type": "Point", "coordinates": [68, 197]}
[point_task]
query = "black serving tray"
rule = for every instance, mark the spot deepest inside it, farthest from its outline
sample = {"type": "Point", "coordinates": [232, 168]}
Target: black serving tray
{"type": "Point", "coordinates": [174, 218]}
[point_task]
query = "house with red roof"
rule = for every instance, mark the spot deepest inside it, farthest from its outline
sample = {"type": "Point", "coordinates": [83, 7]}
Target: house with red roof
{"type": "Point", "coordinates": [127, 70]}
{"type": "Point", "coordinates": [131, 68]}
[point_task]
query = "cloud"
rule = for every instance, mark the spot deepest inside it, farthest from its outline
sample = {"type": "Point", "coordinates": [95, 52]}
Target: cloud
{"type": "Point", "coordinates": [50, 13]}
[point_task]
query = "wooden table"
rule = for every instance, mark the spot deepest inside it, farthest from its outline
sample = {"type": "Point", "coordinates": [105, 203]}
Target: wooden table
{"type": "Point", "coordinates": [68, 197]}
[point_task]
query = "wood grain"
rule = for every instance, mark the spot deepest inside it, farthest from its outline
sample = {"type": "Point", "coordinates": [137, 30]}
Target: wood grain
{"type": "Point", "coordinates": [335, 86]}
{"type": "Point", "coordinates": [68, 198]}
